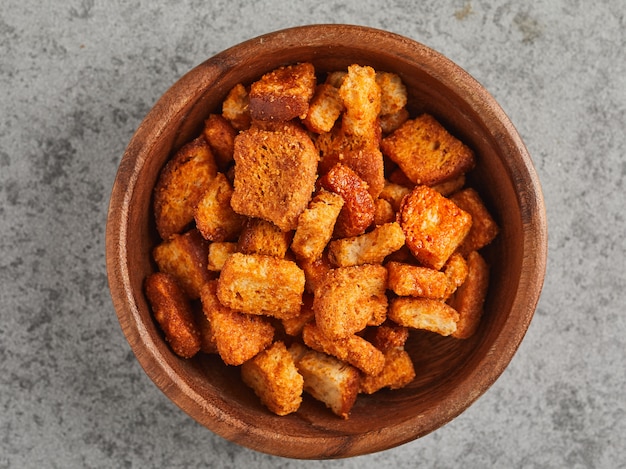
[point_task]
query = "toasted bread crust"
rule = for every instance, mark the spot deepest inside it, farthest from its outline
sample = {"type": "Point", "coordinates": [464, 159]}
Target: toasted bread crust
{"type": "Point", "coordinates": [484, 229]}
{"type": "Point", "coordinates": [220, 135]}
{"type": "Point", "coordinates": [263, 237]}
{"type": "Point", "coordinates": [236, 108]}
{"type": "Point", "coordinates": [469, 298]}
{"type": "Point", "coordinates": [423, 313]}
{"type": "Point", "coordinates": [369, 248]}
{"type": "Point", "coordinates": [324, 109]}
{"type": "Point", "coordinates": [214, 216]}
{"type": "Point", "coordinates": [397, 372]}
{"type": "Point", "coordinates": [412, 280]}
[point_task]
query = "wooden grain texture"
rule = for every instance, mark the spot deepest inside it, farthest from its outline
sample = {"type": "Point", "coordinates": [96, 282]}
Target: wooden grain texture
{"type": "Point", "coordinates": [451, 373]}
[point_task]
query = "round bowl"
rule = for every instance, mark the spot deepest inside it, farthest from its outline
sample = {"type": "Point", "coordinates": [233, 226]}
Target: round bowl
{"type": "Point", "coordinates": [451, 373]}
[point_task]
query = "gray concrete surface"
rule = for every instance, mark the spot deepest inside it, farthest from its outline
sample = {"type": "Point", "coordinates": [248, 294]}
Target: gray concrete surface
{"type": "Point", "coordinates": [77, 77]}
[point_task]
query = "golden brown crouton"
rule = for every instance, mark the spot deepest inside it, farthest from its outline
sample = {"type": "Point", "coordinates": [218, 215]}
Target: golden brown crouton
{"type": "Point", "coordinates": [394, 193]}
{"type": "Point", "coordinates": [283, 94]}
{"type": "Point", "coordinates": [449, 187]}
{"type": "Point", "coordinates": [353, 349]}
{"type": "Point", "coordinates": [324, 109]}
{"type": "Point", "coordinates": [426, 152]}
{"type": "Point", "coordinates": [214, 216]}
{"type": "Point", "coordinates": [434, 226]}
{"type": "Point", "coordinates": [273, 377]}
{"type": "Point", "coordinates": [258, 284]}
{"type": "Point", "coordinates": [235, 108]}
{"type": "Point", "coordinates": [205, 331]}
{"type": "Point", "coordinates": [469, 298]}
{"type": "Point", "coordinates": [397, 373]}
{"type": "Point", "coordinates": [384, 212]}
{"type": "Point", "coordinates": [180, 186]}
{"type": "Point", "coordinates": [335, 78]}
{"type": "Point", "coordinates": [456, 272]}
{"type": "Point", "coordinates": [220, 135]}
{"type": "Point", "coordinates": [348, 297]}
{"type": "Point", "coordinates": [314, 271]}
{"type": "Point", "coordinates": [388, 336]}
{"type": "Point", "coordinates": [361, 98]}
{"type": "Point", "coordinates": [423, 313]}
{"type": "Point", "coordinates": [330, 381]}
{"type": "Point", "coordinates": [276, 173]}
{"type": "Point", "coordinates": [173, 314]}
{"type": "Point", "coordinates": [238, 336]}
{"type": "Point", "coordinates": [413, 280]}
{"type": "Point", "coordinates": [390, 122]}
{"type": "Point", "coordinates": [369, 248]}
{"type": "Point", "coordinates": [316, 225]}
{"type": "Point", "coordinates": [357, 213]}
{"type": "Point", "coordinates": [218, 253]}
{"type": "Point", "coordinates": [293, 326]}
{"type": "Point", "coordinates": [185, 258]}
{"type": "Point", "coordinates": [484, 229]}
{"type": "Point", "coordinates": [263, 237]}
{"type": "Point", "coordinates": [393, 94]}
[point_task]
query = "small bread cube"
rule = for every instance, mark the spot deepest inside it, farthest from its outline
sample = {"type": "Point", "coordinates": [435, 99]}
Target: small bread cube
{"type": "Point", "coordinates": [388, 336]}
{"type": "Point", "coordinates": [469, 298]}
{"type": "Point", "coordinates": [173, 314]}
{"type": "Point", "coordinates": [449, 187]}
{"type": "Point", "coordinates": [434, 226]}
{"type": "Point", "coordinates": [214, 216]}
{"type": "Point", "coordinates": [181, 185]}
{"type": "Point", "coordinates": [205, 331]}
{"type": "Point", "coordinates": [283, 94]}
{"type": "Point", "coordinates": [484, 229]}
{"type": "Point", "coordinates": [423, 313]}
{"type": "Point", "coordinates": [314, 272]}
{"type": "Point", "coordinates": [394, 193]}
{"type": "Point", "coordinates": [413, 280]}
{"type": "Point", "coordinates": [293, 326]}
{"type": "Point", "coordinates": [357, 213]}
{"type": "Point", "coordinates": [397, 373]}
{"type": "Point", "coordinates": [263, 237]}
{"type": "Point", "coordinates": [456, 271]}
{"type": "Point", "coordinates": [324, 109]}
{"type": "Point", "coordinates": [316, 225]}
{"type": "Point", "coordinates": [361, 97]}
{"type": "Point", "coordinates": [235, 108]}
{"type": "Point", "coordinates": [393, 95]}
{"type": "Point", "coordinates": [238, 336]}
{"type": "Point", "coordinates": [336, 78]}
{"type": "Point", "coordinates": [330, 381]}
{"type": "Point", "coordinates": [383, 212]}
{"type": "Point", "coordinates": [185, 257]}
{"type": "Point", "coordinates": [427, 153]}
{"type": "Point", "coordinates": [349, 297]}
{"type": "Point", "coordinates": [276, 173]}
{"type": "Point", "coordinates": [218, 253]}
{"type": "Point", "coordinates": [220, 135]}
{"type": "Point", "coordinates": [391, 122]}
{"type": "Point", "coordinates": [369, 248]}
{"type": "Point", "coordinates": [274, 378]}
{"type": "Point", "coordinates": [258, 284]}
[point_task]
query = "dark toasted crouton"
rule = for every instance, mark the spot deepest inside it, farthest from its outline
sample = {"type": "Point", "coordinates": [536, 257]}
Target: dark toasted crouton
{"type": "Point", "coordinates": [388, 336]}
{"type": "Point", "coordinates": [369, 248]}
{"type": "Point", "coordinates": [413, 280]}
{"type": "Point", "coordinates": [205, 331]}
{"type": "Point", "coordinates": [214, 216]}
{"type": "Point", "coordinates": [314, 271]}
{"type": "Point", "coordinates": [220, 135]}
{"type": "Point", "coordinates": [263, 237]}
{"type": "Point", "coordinates": [423, 313]}
{"type": "Point", "coordinates": [469, 298]}
{"type": "Point", "coordinates": [484, 229]}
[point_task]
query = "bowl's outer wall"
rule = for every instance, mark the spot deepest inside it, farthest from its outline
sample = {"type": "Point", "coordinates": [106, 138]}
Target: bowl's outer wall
{"type": "Point", "coordinates": [451, 373]}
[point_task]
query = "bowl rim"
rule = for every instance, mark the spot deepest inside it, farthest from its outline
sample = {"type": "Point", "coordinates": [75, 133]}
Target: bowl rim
{"type": "Point", "coordinates": [167, 109]}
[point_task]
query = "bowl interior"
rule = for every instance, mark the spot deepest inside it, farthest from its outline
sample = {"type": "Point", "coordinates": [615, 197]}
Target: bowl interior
{"type": "Point", "coordinates": [451, 373]}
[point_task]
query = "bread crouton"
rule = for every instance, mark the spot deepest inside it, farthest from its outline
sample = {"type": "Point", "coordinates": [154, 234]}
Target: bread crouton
{"type": "Point", "coordinates": [173, 314]}
{"type": "Point", "coordinates": [293, 326]}
{"type": "Point", "coordinates": [361, 98]}
{"type": "Point", "coordinates": [238, 336]}
{"type": "Point", "coordinates": [357, 213]}
{"type": "Point", "coordinates": [276, 173]}
{"type": "Point", "coordinates": [180, 186]}
{"type": "Point", "coordinates": [263, 237]}
{"type": "Point", "coordinates": [205, 331]}
{"type": "Point", "coordinates": [426, 152]}
{"type": "Point", "coordinates": [316, 225]}
{"type": "Point", "coordinates": [273, 377]}
{"type": "Point", "coordinates": [220, 135]}
{"type": "Point", "coordinates": [283, 94]}
{"type": "Point", "coordinates": [369, 248]}
{"type": "Point", "coordinates": [393, 94]}
{"type": "Point", "coordinates": [449, 187]}
{"type": "Point", "coordinates": [423, 313]}
{"type": "Point", "coordinates": [314, 271]}
{"type": "Point", "coordinates": [324, 109]}
{"type": "Point", "coordinates": [413, 280]}
{"type": "Point", "coordinates": [354, 350]}
{"type": "Point", "coordinates": [484, 229]}
{"type": "Point", "coordinates": [383, 212]}
{"type": "Point", "coordinates": [185, 257]}
{"type": "Point", "coordinates": [397, 372]}
{"type": "Point", "coordinates": [469, 298]}
{"type": "Point", "coordinates": [330, 381]}
{"type": "Point", "coordinates": [388, 336]}
{"type": "Point", "coordinates": [394, 193]}
{"type": "Point", "coordinates": [456, 272]}
{"type": "Point", "coordinates": [218, 253]}
{"type": "Point", "coordinates": [348, 297]}
{"type": "Point", "coordinates": [391, 122]}
{"type": "Point", "coordinates": [434, 226]}
{"type": "Point", "coordinates": [215, 218]}
{"type": "Point", "coordinates": [258, 284]}
{"type": "Point", "coordinates": [236, 107]}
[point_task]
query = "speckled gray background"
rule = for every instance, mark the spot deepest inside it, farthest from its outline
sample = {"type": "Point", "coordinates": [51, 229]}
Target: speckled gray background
{"type": "Point", "coordinates": [77, 77]}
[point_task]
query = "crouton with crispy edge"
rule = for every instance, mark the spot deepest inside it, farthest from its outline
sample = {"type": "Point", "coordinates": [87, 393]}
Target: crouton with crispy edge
{"type": "Point", "coordinates": [426, 152]}
{"type": "Point", "coordinates": [469, 298]}
{"type": "Point", "coordinates": [361, 97]}
{"type": "Point", "coordinates": [205, 331]}
{"type": "Point", "coordinates": [173, 314]}
{"type": "Point", "coordinates": [449, 187]}
{"type": "Point", "coordinates": [324, 109]}
{"type": "Point", "coordinates": [456, 271]}
{"type": "Point", "coordinates": [348, 298]}
{"type": "Point", "coordinates": [316, 225]}
{"type": "Point", "coordinates": [185, 257]}
{"type": "Point", "coordinates": [369, 248]}
{"type": "Point", "coordinates": [423, 313]}
{"type": "Point", "coordinates": [391, 122]}
{"type": "Point", "coordinates": [235, 107]}
{"type": "Point", "coordinates": [393, 94]}
{"type": "Point", "coordinates": [434, 226]}
{"type": "Point", "coordinates": [354, 350]}
{"type": "Point", "coordinates": [413, 280]}
{"type": "Point", "coordinates": [387, 336]}
{"type": "Point", "coordinates": [357, 213]}
{"type": "Point", "coordinates": [263, 237]}
{"type": "Point", "coordinates": [383, 212]}
{"type": "Point", "coordinates": [218, 253]}
{"type": "Point", "coordinates": [329, 380]}
{"type": "Point", "coordinates": [314, 271]}
{"type": "Point", "coordinates": [276, 173]}
{"type": "Point", "coordinates": [484, 229]}
{"type": "Point", "coordinates": [293, 326]}
{"type": "Point", "coordinates": [215, 218]}
{"type": "Point", "coordinates": [397, 372]}
{"type": "Point", "coordinates": [238, 336]}
{"type": "Point", "coordinates": [394, 193]}
{"type": "Point", "coordinates": [258, 284]}
{"type": "Point", "coordinates": [274, 378]}
{"type": "Point", "coordinates": [220, 135]}
{"type": "Point", "coordinates": [181, 185]}
{"type": "Point", "coordinates": [283, 94]}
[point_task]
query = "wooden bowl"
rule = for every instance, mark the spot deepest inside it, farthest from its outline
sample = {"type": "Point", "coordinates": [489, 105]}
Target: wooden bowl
{"type": "Point", "coordinates": [451, 373]}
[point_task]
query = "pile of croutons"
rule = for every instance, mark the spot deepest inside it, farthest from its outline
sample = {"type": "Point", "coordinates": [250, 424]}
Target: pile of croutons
{"type": "Point", "coordinates": [309, 228]}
